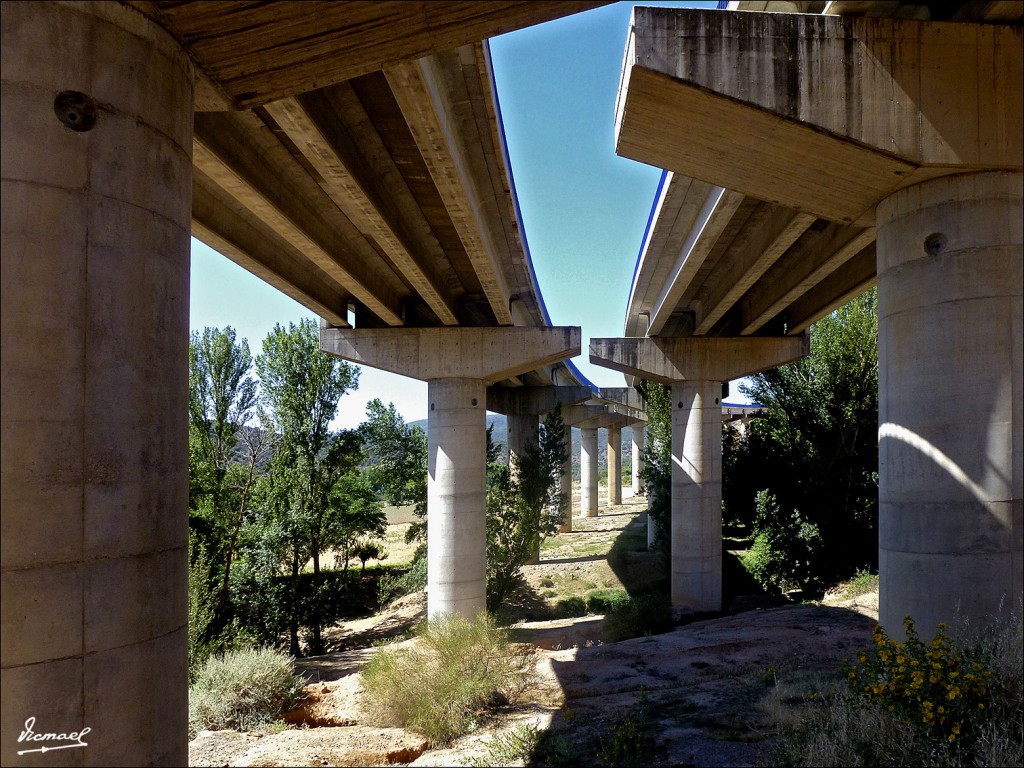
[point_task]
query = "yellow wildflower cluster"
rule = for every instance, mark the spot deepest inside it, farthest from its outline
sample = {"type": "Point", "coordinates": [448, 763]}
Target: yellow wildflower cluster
{"type": "Point", "coordinates": [931, 684]}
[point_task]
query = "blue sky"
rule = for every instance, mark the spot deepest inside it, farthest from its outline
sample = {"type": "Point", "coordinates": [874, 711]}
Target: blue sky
{"type": "Point", "coordinates": [584, 208]}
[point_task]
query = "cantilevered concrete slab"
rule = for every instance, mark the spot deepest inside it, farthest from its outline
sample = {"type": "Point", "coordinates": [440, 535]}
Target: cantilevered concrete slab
{"type": "Point", "coordinates": [823, 114]}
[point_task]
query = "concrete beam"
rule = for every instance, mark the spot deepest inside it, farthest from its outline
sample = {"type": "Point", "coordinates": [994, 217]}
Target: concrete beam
{"type": "Point", "coordinates": [669, 360]}
{"type": "Point", "coordinates": [574, 415]}
{"type": "Point", "coordinates": [534, 400]}
{"type": "Point", "coordinates": [486, 354]}
{"type": "Point", "coordinates": [353, 196]}
{"type": "Point", "coordinates": [733, 98]}
{"type": "Point", "coordinates": [628, 396]}
{"type": "Point", "coordinates": [445, 131]}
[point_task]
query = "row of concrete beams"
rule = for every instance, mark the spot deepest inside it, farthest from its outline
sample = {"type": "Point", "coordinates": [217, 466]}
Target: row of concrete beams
{"type": "Point", "coordinates": [742, 101]}
{"type": "Point", "coordinates": [307, 192]}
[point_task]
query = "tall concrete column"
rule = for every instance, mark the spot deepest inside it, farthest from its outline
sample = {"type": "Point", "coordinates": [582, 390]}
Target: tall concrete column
{"type": "Point", "coordinates": [456, 496]}
{"type": "Point", "coordinates": [950, 397]}
{"type": "Point", "coordinates": [637, 449]}
{"type": "Point", "coordinates": [614, 465]}
{"type": "Point", "coordinates": [97, 138]}
{"type": "Point", "coordinates": [565, 482]}
{"type": "Point", "coordinates": [522, 433]}
{"type": "Point", "coordinates": [588, 471]}
{"type": "Point", "coordinates": [697, 495]}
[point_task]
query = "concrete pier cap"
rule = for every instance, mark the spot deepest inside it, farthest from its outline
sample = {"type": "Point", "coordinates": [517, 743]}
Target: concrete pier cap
{"type": "Point", "coordinates": [457, 364]}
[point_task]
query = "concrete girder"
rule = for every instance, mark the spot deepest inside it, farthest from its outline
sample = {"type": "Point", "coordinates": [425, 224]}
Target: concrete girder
{"type": "Point", "coordinates": [696, 82]}
{"type": "Point", "coordinates": [353, 196]}
{"type": "Point", "coordinates": [669, 360]}
{"type": "Point", "coordinates": [485, 354]}
{"type": "Point", "coordinates": [534, 400]}
{"type": "Point", "coordinates": [575, 415]}
{"type": "Point", "coordinates": [628, 396]}
{"type": "Point", "coordinates": [434, 120]}
{"type": "Point", "coordinates": [220, 151]}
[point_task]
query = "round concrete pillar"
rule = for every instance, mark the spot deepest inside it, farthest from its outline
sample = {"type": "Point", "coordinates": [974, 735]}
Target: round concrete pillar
{"type": "Point", "coordinates": [456, 496]}
{"type": "Point", "coordinates": [697, 495]}
{"type": "Point", "coordinates": [614, 465]}
{"type": "Point", "coordinates": [565, 483]}
{"type": "Point", "coordinates": [96, 208]}
{"type": "Point", "coordinates": [637, 450]}
{"type": "Point", "coordinates": [588, 472]}
{"type": "Point", "coordinates": [522, 433]}
{"type": "Point", "coordinates": [950, 397]}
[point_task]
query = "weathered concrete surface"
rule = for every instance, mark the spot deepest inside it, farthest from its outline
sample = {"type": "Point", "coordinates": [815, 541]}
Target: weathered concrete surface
{"type": "Point", "coordinates": [614, 464]}
{"type": "Point", "coordinates": [488, 354]}
{"type": "Point", "coordinates": [696, 81]}
{"type": "Point", "coordinates": [534, 400]}
{"type": "Point", "coordinates": [94, 383]}
{"type": "Point", "coordinates": [669, 360]}
{"type": "Point", "coordinates": [588, 471]}
{"type": "Point", "coordinates": [456, 496]}
{"type": "Point", "coordinates": [950, 287]}
{"type": "Point", "coordinates": [637, 449]}
{"type": "Point", "coordinates": [696, 556]}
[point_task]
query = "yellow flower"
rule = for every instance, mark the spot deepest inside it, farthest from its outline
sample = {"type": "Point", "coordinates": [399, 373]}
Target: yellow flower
{"type": "Point", "coordinates": [956, 728]}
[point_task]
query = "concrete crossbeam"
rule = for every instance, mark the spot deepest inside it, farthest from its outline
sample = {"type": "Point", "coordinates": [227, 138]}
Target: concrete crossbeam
{"type": "Point", "coordinates": [487, 354]}
{"type": "Point", "coordinates": [698, 82]}
{"type": "Point", "coordinates": [534, 400]}
{"type": "Point", "coordinates": [669, 360]}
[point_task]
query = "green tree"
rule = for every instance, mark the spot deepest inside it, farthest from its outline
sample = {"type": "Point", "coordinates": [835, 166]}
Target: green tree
{"type": "Point", "coordinates": [657, 471]}
{"type": "Point", "coordinates": [524, 505]}
{"type": "Point", "coordinates": [225, 449]}
{"type": "Point", "coordinates": [814, 453]}
{"type": "Point", "coordinates": [397, 461]}
{"type": "Point", "coordinates": [301, 390]}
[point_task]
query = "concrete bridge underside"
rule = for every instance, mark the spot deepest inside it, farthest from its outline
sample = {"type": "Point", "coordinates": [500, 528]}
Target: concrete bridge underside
{"type": "Point", "coordinates": [810, 157]}
{"type": "Point", "coordinates": [351, 155]}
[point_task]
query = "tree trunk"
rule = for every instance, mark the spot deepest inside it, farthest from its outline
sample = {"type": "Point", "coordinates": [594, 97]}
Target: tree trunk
{"type": "Point", "coordinates": [293, 622]}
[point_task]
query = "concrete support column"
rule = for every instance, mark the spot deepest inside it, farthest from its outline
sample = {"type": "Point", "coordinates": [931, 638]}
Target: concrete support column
{"type": "Point", "coordinates": [96, 206]}
{"type": "Point", "coordinates": [637, 448]}
{"type": "Point", "coordinates": [614, 465]}
{"type": "Point", "coordinates": [565, 482]}
{"type": "Point", "coordinates": [456, 489]}
{"type": "Point", "coordinates": [950, 396]}
{"type": "Point", "coordinates": [697, 495]}
{"type": "Point", "coordinates": [588, 471]}
{"type": "Point", "coordinates": [522, 432]}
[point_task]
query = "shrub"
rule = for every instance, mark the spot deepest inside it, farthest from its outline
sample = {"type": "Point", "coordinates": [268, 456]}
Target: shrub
{"type": "Point", "coordinates": [242, 689]}
{"type": "Point", "coordinates": [455, 672]}
{"type": "Point", "coordinates": [390, 587]}
{"type": "Point", "coordinates": [604, 600]}
{"type": "Point", "coordinates": [944, 702]}
{"type": "Point", "coordinates": [637, 616]}
{"type": "Point", "coordinates": [570, 608]}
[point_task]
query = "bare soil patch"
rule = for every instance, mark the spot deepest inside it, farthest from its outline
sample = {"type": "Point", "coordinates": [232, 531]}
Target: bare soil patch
{"type": "Point", "coordinates": [698, 691]}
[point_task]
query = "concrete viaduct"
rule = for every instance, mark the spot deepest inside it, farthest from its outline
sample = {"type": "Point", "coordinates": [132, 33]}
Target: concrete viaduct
{"type": "Point", "coordinates": [351, 154]}
{"type": "Point", "coordinates": [810, 157]}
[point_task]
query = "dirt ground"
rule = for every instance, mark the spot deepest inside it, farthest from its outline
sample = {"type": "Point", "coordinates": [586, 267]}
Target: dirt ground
{"type": "Point", "coordinates": [705, 693]}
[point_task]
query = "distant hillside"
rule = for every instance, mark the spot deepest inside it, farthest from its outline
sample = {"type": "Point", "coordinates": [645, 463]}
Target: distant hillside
{"type": "Point", "coordinates": [500, 436]}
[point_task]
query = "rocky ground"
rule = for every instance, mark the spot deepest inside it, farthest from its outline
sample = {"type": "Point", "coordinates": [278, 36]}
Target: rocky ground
{"type": "Point", "coordinates": [707, 693]}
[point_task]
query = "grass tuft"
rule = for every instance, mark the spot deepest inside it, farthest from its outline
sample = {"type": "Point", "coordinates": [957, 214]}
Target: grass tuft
{"type": "Point", "coordinates": [245, 690]}
{"type": "Point", "coordinates": [445, 682]}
